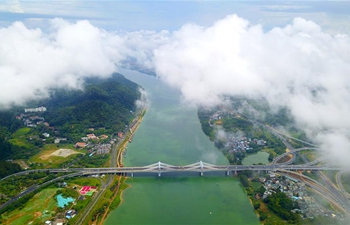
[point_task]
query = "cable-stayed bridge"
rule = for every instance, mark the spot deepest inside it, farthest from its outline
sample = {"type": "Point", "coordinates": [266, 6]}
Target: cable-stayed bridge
{"type": "Point", "coordinates": [200, 167]}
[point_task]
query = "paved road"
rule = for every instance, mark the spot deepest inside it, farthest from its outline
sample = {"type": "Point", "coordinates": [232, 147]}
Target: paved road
{"type": "Point", "coordinates": [34, 187]}
{"type": "Point", "coordinates": [340, 184]}
{"type": "Point", "coordinates": [330, 187]}
{"type": "Point", "coordinates": [320, 188]}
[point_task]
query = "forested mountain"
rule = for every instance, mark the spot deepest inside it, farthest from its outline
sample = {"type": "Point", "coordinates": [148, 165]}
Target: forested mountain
{"type": "Point", "coordinates": [104, 104]}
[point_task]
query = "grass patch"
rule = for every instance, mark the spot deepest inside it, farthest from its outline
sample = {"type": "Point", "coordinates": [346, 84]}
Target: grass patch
{"type": "Point", "coordinates": [22, 131]}
{"type": "Point", "coordinates": [298, 160]}
{"type": "Point", "coordinates": [331, 175]}
{"type": "Point", "coordinates": [21, 142]}
{"type": "Point", "coordinates": [311, 156]}
{"type": "Point", "coordinates": [58, 146]}
{"type": "Point", "coordinates": [345, 178]}
{"type": "Point", "coordinates": [40, 208]}
{"type": "Point", "coordinates": [312, 175]}
{"type": "Point", "coordinates": [83, 181]}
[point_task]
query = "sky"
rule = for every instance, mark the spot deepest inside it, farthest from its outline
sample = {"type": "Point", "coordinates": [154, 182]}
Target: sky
{"type": "Point", "coordinates": [294, 54]}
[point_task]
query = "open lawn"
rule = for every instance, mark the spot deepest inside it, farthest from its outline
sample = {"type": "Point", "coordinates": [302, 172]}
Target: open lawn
{"type": "Point", "coordinates": [37, 210]}
{"type": "Point", "coordinates": [22, 131]}
{"type": "Point", "coordinates": [345, 180]}
{"type": "Point", "coordinates": [310, 155]}
{"type": "Point", "coordinates": [57, 146]}
{"type": "Point", "coordinates": [19, 137]}
{"type": "Point", "coordinates": [21, 142]}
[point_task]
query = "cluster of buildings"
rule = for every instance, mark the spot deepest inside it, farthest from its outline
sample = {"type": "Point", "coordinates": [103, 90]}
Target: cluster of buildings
{"type": "Point", "coordinates": [239, 144]}
{"type": "Point", "coordinates": [32, 121]}
{"type": "Point", "coordinates": [95, 148]}
{"type": "Point", "coordinates": [234, 143]}
{"type": "Point", "coordinates": [217, 116]}
{"type": "Point", "coordinates": [102, 149]}
{"type": "Point", "coordinates": [295, 190]}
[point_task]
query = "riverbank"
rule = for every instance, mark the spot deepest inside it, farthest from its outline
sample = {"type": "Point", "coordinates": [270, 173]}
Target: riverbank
{"type": "Point", "coordinates": [113, 197]}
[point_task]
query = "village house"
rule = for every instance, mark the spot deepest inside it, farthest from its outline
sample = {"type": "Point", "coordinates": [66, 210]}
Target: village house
{"type": "Point", "coordinates": [80, 145]}
{"type": "Point", "coordinates": [92, 136]}
{"type": "Point", "coordinates": [104, 136]}
{"type": "Point", "coordinates": [58, 140]}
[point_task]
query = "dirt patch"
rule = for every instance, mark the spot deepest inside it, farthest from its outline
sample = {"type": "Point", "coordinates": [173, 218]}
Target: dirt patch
{"type": "Point", "coordinates": [10, 221]}
{"type": "Point", "coordinates": [37, 214]}
{"type": "Point", "coordinates": [22, 164]}
{"type": "Point", "coordinates": [64, 152]}
{"type": "Point", "coordinates": [46, 155]}
{"type": "Point", "coordinates": [285, 158]}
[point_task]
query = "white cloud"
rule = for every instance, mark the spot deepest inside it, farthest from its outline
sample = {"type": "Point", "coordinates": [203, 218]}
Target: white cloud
{"type": "Point", "coordinates": [141, 44]}
{"type": "Point", "coordinates": [298, 66]}
{"type": "Point", "coordinates": [32, 62]}
{"type": "Point", "coordinates": [11, 6]}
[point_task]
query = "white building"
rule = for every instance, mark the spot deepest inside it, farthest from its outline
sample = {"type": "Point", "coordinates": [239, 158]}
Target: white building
{"type": "Point", "coordinates": [39, 109]}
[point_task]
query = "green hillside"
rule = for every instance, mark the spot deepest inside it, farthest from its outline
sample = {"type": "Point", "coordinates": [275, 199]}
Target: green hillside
{"type": "Point", "coordinates": [104, 104]}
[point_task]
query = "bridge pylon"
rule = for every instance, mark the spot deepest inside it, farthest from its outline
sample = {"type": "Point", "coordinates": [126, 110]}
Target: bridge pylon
{"type": "Point", "coordinates": [201, 165]}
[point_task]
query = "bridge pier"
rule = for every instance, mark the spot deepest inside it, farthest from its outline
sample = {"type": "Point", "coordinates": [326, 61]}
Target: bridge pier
{"type": "Point", "coordinates": [228, 173]}
{"type": "Point", "coordinates": [201, 173]}
{"type": "Point", "coordinates": [235, 172]}
{"type": "Point", "coordinates": [159, 174]}
{"type": "Point", "coordinates": [132, 174]}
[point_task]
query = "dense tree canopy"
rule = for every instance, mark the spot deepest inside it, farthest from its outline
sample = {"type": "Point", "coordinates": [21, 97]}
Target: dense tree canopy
{"type": "Point", "coordinates": [281, 205]}
{"type": "Point", "coordinates": [7, 168]}
{"type": "Point", "coordinates": [104, 104]}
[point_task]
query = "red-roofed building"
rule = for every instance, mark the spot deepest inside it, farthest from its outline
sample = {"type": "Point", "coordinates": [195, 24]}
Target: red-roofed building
{"type": "Point", "coordinates": [80, 145]}
{"type": "Point", "coordinates": [91, 136]}
{"type": "Point", "coordinates": [103, 136]}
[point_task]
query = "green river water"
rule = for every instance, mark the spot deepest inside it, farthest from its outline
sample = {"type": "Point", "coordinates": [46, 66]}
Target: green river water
{"type": "Point", "coordinates": [171, 133]}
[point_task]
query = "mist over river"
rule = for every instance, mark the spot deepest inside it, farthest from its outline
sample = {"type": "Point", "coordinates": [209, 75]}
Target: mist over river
{"type": "Point", "coordinates": [171, 133]}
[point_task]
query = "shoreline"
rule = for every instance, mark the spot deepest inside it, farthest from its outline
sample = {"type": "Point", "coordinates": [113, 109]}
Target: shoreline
{"type": "Point", "coordinates": [136, 123]}
{"type": "Point", "coordinates": [119, 160]}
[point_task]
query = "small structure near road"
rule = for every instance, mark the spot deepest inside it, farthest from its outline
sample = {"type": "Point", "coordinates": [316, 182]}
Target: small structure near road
{"type": "Point", "coordinates": [88, 190]}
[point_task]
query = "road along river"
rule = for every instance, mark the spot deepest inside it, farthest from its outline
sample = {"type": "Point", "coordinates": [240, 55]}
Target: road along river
{"type": "Point", "coordinates": [170, 132]}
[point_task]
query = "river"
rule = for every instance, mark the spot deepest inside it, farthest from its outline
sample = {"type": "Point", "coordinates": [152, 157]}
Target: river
{"type": "Point", "coordinates": [171, 133]}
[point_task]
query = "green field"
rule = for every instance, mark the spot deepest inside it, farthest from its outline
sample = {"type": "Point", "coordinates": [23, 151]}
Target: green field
{"type": "Point", "coordinates": [19, 138]}
{"type": "Point", "coordinates": [40, 208]}
{"type": "Point", "coordinates": [22, 131]}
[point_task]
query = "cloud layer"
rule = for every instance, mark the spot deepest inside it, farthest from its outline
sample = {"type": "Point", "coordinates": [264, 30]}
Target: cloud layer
{"type": "Point", "coordinates": [298, 66]}
{"type": "Point", "coordinates": [32, 62]}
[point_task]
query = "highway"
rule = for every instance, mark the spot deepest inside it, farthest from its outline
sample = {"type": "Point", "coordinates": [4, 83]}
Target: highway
{"type": "Point", "coordinates": [340, 184]}
{"type": "Point", "coordinates": [35, 187]}
{"type": "Point", "coordinates": [331, 188]}
{"type": "Point", "coordinates": [293, 151]}
{"type": "Point", "coordinates": [320, 188]}
{"type": "Point", "coordinates": [159, 168]}
{"type": "Point", "coordinates": [196, 167]}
